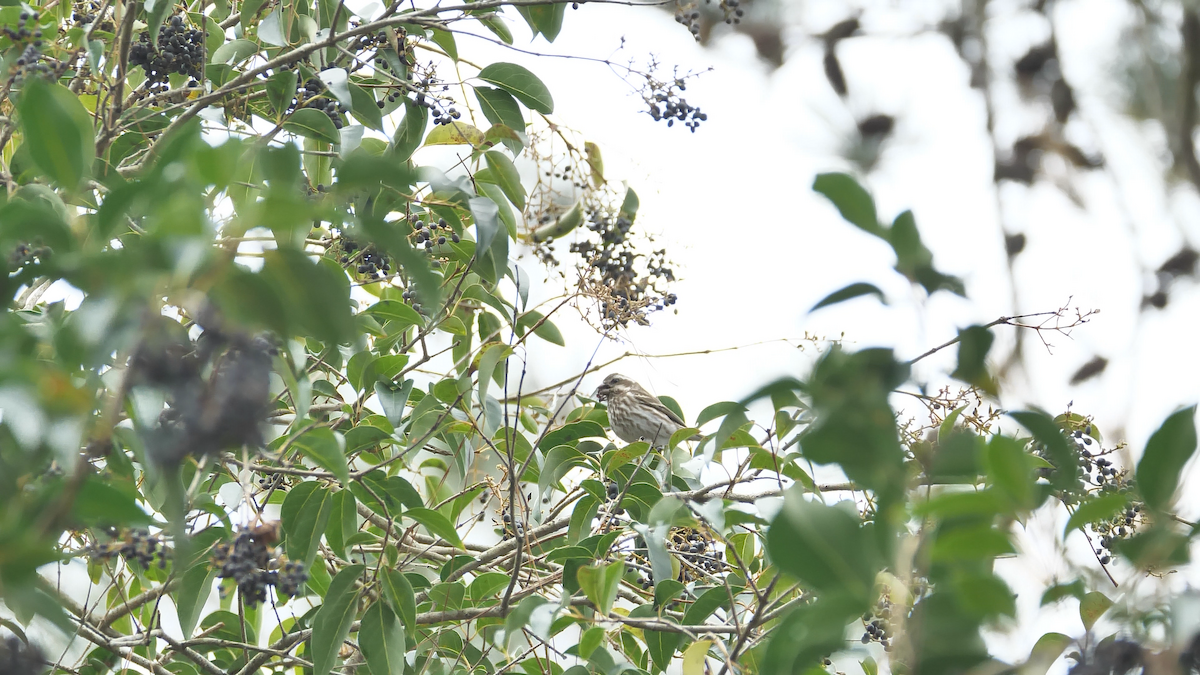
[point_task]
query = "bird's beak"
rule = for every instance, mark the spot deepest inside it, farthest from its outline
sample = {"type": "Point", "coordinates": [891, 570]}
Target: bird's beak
{"type": "Point", "coordinates": [601, 392]}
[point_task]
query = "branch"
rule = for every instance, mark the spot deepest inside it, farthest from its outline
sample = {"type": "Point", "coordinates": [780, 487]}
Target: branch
{"type": "Point", "coordinates": [1017, 322]}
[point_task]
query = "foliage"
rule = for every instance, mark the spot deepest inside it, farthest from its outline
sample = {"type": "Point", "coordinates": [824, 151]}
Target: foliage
{"type": "Point", "coordinates": [295, 375]}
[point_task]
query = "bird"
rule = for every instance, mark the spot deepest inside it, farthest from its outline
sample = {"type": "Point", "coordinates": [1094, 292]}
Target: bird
{"type": "Point", "coordinates": [637, 415]}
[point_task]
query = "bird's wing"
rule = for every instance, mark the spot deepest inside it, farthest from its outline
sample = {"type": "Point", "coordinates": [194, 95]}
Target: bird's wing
{"type": "Point", "coordinates": [661, 407]}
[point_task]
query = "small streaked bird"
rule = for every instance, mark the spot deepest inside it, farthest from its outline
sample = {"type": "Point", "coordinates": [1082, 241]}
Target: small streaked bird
{"type": "Point", "coordinates": [637, 415]}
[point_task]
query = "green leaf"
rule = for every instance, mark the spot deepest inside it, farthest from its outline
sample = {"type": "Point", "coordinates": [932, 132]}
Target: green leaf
{"type": "Point", "coordinates": [589, 641]}
{"type": "Point", "coordinates": [445, 40]}
{"type": "Point", "coordinates": [520, 616]}
{"type": "Point", "coordinates": [600, 583]}
{"type": "Point", "coordinates": [1102, 507]}
{"type": "Point", "coordinates": [58, 131]}
{"type": "Point", "coordinates": [661, 646]}
{"type": "Point", "coordinates": [487, 225]}
{"type": "Point", "coordinates": [499, 107]}
{"type": "Point", "coordinates": [315, 295]}
{"type": "Point", "coordinates": [823, 546]}
{"type": "Point", "coordinates": [629, 205]}
{"type": "Point", "coordinates": [1092, 607]}
{"type": "Point", "coordinates": [331, 625]}
{"type": "Point", "coordinates": [381, 637]}
{"type": "Point", "coordinates": [667, 590]}
{"type": "Point", "coordinates": [395, 310]}
{"type": "Point", "coordinates": [970, 543]}
{"type": "Point", "coordinates": [852, 201]}
{"type": "Point", "coordinates": [399, 594]}
{"type": "Point", "coordinates": [393, 399]}
{"type": "Point", "coordinates": [915, 261]}
{"type": "Point", "coordinates": [436, 523]}
{"type": "Point", "coordinates": [1009, 469]}
{"type": "Point", "coordinates": [314, 124]}
{"type": "Point", "coordinates": [506, 176]}
{"type": "Point", "coordinates": [973, 345]}
{"type": "Point", "coordinates": [281, 89]}
{"type": "Point", "coordinates": [235, 51]}
{"type": "Point", "coordinates": [572, 431]}
{"type": "Point", "coordinates": [546, 19]}
{"type": "Point", "coordinates": [365, 108]}
{"type": "Point", "coordinates": [716, 410]}
{"type": "Point", "coordinates": [494, 23]}
{"type": "Point", "coordinates": [559, 461]}
{"type": "Point", "coordinates": [849, 293]}
{"type": "Point", "coordinates": [411, 131]}
{"type": "Point", "coordinates": [1169, 448]}
{"type": "Point", "coordinates": [322, 447]}
{"type": "Point", "coordinates": [455, 133]}
{"type": "Point", "coordinates": [545, 330]}
{"type": "Point", "coordinates": [97, 502]}
{"type": "Point", "coordinates": [708, 602]}
{"type": "Point", "coordinates": [304, 515]}
{"type": "Point", "coordinates": [487, 585]}
{"type": "Point", "coordinates": [1060, 454]}
{"type": "Point", "coordinates": [343, 521]}
{"type": "Point", "coordinates": [196, 582]}
{"type": "Point", "coordinates": [1045, 652]}
{"type": "Point", "coordinates": [521, 83]}
{"type": "Point", "coordinates": [562, 226]}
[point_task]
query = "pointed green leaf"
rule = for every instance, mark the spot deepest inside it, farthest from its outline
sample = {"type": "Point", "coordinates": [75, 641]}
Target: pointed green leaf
{"type": "Point", "coordinates": [1169, 448]}
{"type": "Point", "coordinates": [436, 523]}
{"type": "Point", "coordinates": [58, 131]}
{"type": "Point", "coordinates": [849, 293]}
{"type": "Point", "coordinates": [399, 594]}
{"type": "Point", "coordinates": [852, 200]}
{"type": "Point", "coordinates": [499, 107]}
{"type": "Point", "coordinates": [518, 81]}
{"type": "Point", "coordinates": [314, 124]}
{"type": "Point", "coordinates": [281, 89]}
{"type": "Point", "coordinates": [1091, 607]}
{"type": "Point", "coordinates": [331, 625]}
{"type": "Point", "coordinates": [322, 447]}
{"type": "Point", "coordinates": [600, 583]}
{"type": "Point", "coordinates": [506, 176]}
{"type": "Point", "coordinates": [381, 637]}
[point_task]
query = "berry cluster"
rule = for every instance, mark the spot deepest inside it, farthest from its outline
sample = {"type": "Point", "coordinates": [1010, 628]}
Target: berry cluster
{"type": "Point", "coordinates": [698, 554]}
{"type": "Point", "coordinates": [447, 116]}
{"type": "Point", "coordinates": [510, 528]}
{"type": "Point", "coordinates": [689, 16]}
{"type": "Point", "coordinates": [1117, 528]}
{"type": "Point", "coordinates": [180, 50]}
{"type": "Point", "coordinates": [85, 12]}
{"type": "Point", "coordinates": [249, 563]}
{"type": "Point", "coordinates": [878, 624]}
{"type": "Point", "coordinates": [612, 261]}
{"type": "Point", "coordinates": [19, 656]}
{"type": "Point", "coordinates": [273, 481]}
{"type": "Point", "coordinates": [29, 62]}
{"type": "Point", "coordinates": [666, 104]}
{"type": "Point", "coordinates": [133, 544]}
{"type": "Point", "coordinates": [428, 233]}
{"type": "Point", "coordinates": [313, 95]}
{"type": "Point", "coordinates": [28, 30]}
{"type": "Point", "coordinates": [367, 260]}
